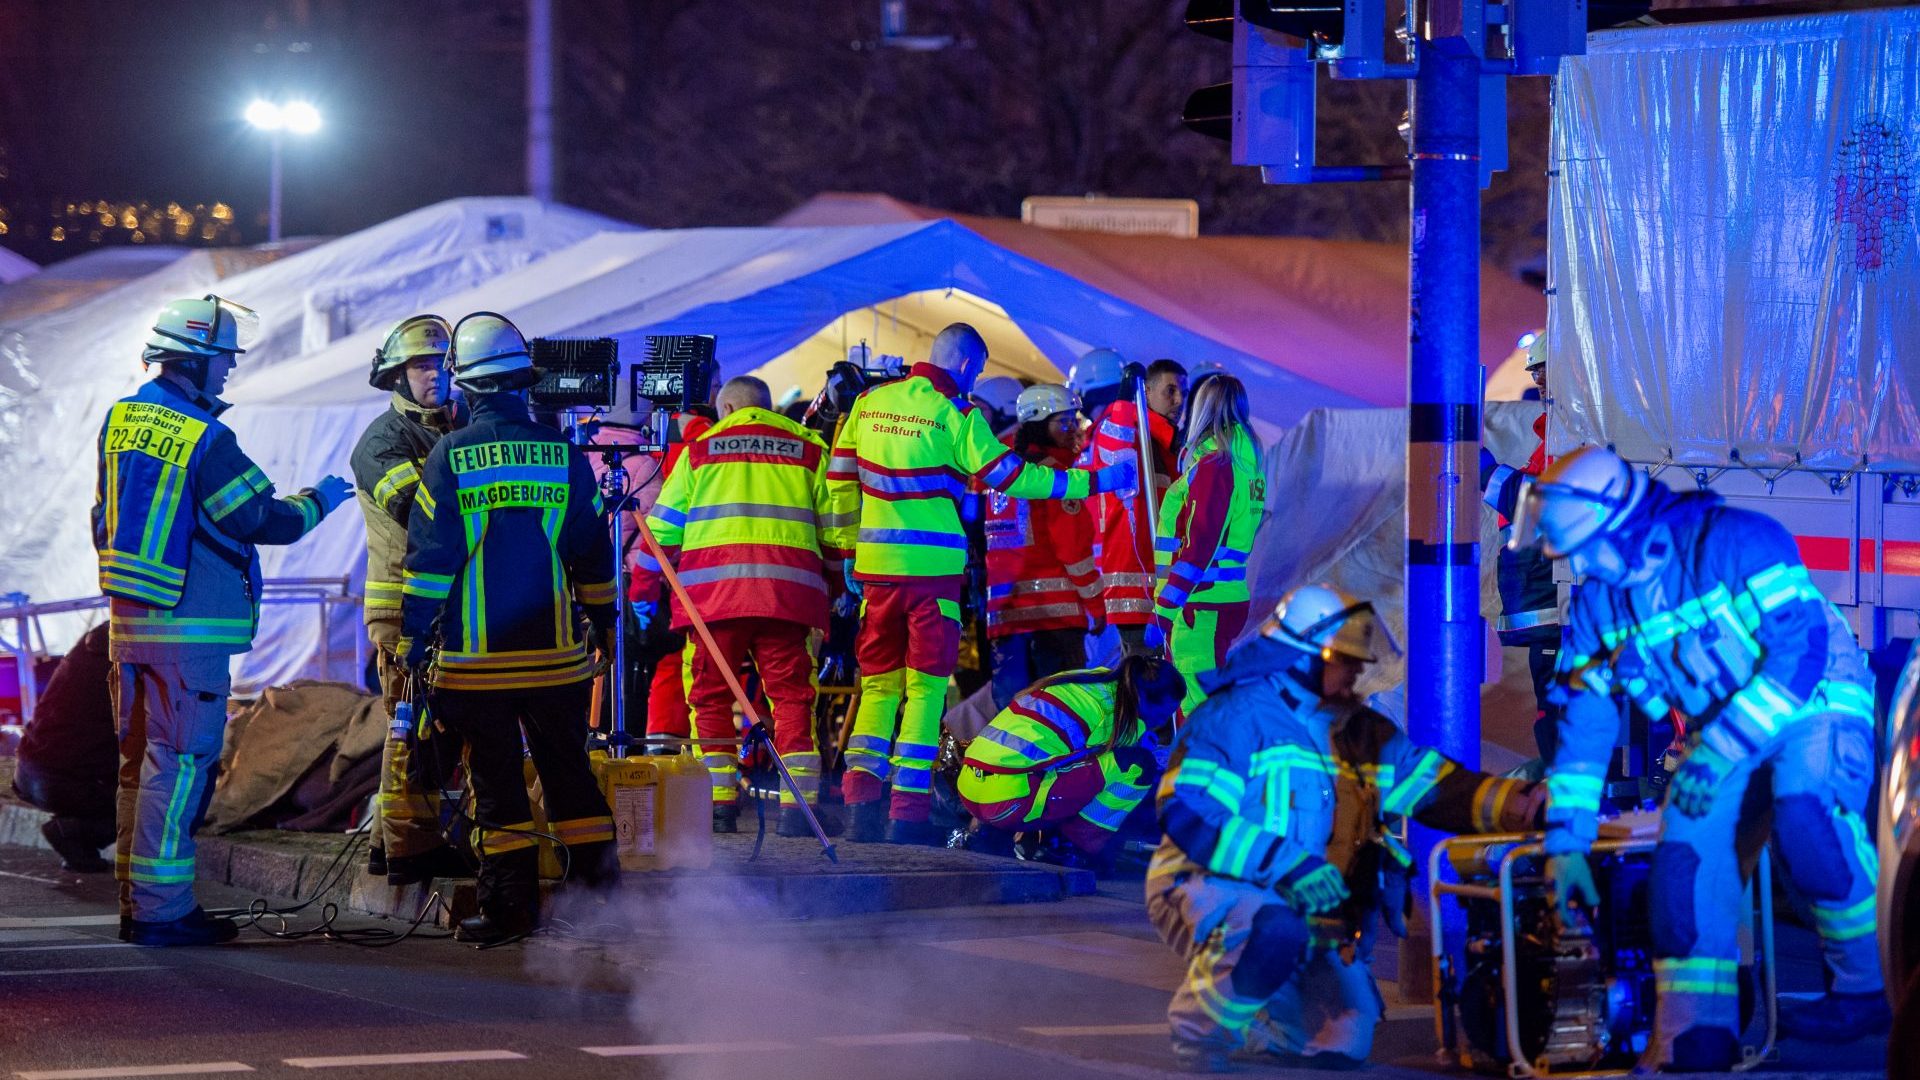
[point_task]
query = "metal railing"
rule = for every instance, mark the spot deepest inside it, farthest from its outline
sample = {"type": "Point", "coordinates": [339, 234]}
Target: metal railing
{"type": "Point", "coordinates": [324, 593]}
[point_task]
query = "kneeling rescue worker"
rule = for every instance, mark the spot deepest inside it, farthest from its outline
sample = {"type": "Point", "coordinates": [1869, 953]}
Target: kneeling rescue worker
{"type": "Point", "coordinates": [1073, 751]}
{"type": "Point", "coordinates": [902, 462]}
{"type": "Point", "coordinates": [1277, 854]}
{"type": "Point", "coordinates": [506, 539]}
{"type": "Point", "coordinates": [177, 512]}
{"type": "Point", "coordinates": [1693, 609]}
{"type": "Point", "coordinates": [411, 365]}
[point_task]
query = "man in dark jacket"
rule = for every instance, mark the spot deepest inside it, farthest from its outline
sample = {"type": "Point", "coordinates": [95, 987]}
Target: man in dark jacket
{"type": "Point", "coordinates": [68, 756]}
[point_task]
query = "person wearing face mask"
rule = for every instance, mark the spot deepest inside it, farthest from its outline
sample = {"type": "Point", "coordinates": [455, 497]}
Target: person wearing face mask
{"type": "Point", "coordinates": [901, 467]}
{"type": "Point", "coordinates": [411, 366]}
{"type": "Point", "coordinates": [1691, 610]}
{"type": "Point", "coordinates": [177, 513]}
{"type": "Point", "coordinates": [1277, 853]}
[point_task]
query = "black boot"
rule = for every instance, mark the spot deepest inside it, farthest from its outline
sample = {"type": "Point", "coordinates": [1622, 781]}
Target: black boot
{"type": "Point", "coordinates": [793, 822]}
{"type": "Point", "coordinates": [484, 929]}
{"type": "Point", "coordinates": [196, 927]}
{"type": "Point", "coordinates": [77, 851]}
{"type": "Point", "coordinates": [726, 817]}
{"type": "Point", "coordinates": [916, 833]}
{"type": "Point", "coordinates": [377, 861]}
{"type": "Point", "coordinates": [869, 822]}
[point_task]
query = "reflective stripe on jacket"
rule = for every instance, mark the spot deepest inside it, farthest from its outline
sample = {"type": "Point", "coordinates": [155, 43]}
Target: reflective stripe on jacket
{"type": "Point", "coordinates": [1040, 569]}
{"type": "Point", "coordinates": [177, 511]}
{"type": "Point", "coordinates": [1126, 545]}
{"type": "Point", "coordinates": [746, 521]}
{"type": "Point", "coordinates": [902, 462]}
{"type": "Point", "coordinates": [1207, 525]}
{"type": "Point", "coordinates": [507, 536]}
{"type": "Point", "coordinates": [1044, 728]}
{"type": "Point", "coordinates": [386, 472]}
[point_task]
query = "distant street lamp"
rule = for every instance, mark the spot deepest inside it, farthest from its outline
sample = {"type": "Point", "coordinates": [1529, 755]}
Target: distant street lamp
{"type": "Point", "coordinates": [296, 117]}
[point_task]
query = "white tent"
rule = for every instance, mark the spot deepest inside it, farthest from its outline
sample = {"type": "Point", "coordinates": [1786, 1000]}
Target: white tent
{"type": "Point", "coordinates": [65, 367]}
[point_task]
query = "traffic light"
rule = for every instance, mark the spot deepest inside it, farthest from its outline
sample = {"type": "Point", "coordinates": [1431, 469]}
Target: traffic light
{"type": "Point", "coordinates": [1540, 32]}
{"type": "Point", "coordinates": [1349, 34]}
{"type": "Point", "coordinates": [1267, 110]}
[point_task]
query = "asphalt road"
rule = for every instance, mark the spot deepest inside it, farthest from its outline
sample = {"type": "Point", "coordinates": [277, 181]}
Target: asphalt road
{"type": "Point", "coordinates": [1052, 991]}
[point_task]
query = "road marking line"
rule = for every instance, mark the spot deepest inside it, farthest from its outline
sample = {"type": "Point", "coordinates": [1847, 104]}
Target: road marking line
{"type": "Point", "coordinates": [39, 933]}
{"type": "Point", "coordinates": [20, 922]}
{"type": "Point", "coordinates": [30, 877]}
{"type": "Point", "coordinates": [136, 1070]}
{"type": "Point", "coordinates": [905, 1038]}
{"type": "Point", "coordinates": [1099, 1029]}
{"type": "Point", "coordinates": [436, 1057]}
{"type": "Point", "coordinates": [50, 948]}
{"type": "Point", "coordinates": [663, 1049]}
{"type": "Point", "coordinates": [79, 971]}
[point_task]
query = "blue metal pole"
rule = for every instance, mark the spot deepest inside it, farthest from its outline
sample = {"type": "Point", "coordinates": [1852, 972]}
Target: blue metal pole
{"type": "Point", "coordinates": [1444, 635]}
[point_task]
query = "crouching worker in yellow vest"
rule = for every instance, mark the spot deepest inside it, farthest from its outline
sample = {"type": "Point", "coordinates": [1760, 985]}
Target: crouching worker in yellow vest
{"type": "Point", "coordinates": [1073, 752]}
{"type": "Point", "coordinates": [506, 538]}
{"type": "Point", "coordinates": [1277, 853]}
{"type": "Point", "coordinates": [176, 514]}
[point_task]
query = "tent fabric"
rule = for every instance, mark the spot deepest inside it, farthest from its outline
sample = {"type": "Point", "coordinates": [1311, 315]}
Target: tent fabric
{"type": "Point", "coordinates": [65, 367]}
{"type": "Point", "coordinates": [16, 267]}
{"type": "Point", "coordinates": [1328, 311]}
{"type": "Point", "coordinates": [1736, 271]}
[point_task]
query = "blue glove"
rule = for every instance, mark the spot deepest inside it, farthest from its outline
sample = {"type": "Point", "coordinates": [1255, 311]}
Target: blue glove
{"type": "Point", "coordinates": [1155, 637]}
{"type": "Point", "coordinates": [1698, 781]}
{"type": "Point", "coordinates": [1317, 888]}
{"type": "Point", "coordinates": [330, 492]}
{"type": "Point", "coordinates": [643, 611]}
{"type": "Point", "coordinates": [1121, 476]}
{"type": "Point", "coordinates": [855, 589]}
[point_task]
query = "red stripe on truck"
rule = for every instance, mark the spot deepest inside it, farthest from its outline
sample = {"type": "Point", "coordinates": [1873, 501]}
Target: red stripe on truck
{"type": "Point", "coordinates": [1829, 553]}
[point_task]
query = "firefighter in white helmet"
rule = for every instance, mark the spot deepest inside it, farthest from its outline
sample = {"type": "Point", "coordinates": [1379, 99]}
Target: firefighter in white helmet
{"type": "Point", "coordinates": [506, 540]}
{"type": "Point", "coordinates": [1277, 853]}
{"type": "Point", "coordinates": [411, 366]}
{"type": "Point", "coordinates": [999, 395]}
{"type": "Point", "coordinates": [176, 516]}
{"type": "Point", "coordinates": [1702, 615]}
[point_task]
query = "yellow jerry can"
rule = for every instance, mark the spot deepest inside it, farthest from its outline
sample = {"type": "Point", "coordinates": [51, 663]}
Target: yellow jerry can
{"type": "Point", "coordinates": [662, 810]}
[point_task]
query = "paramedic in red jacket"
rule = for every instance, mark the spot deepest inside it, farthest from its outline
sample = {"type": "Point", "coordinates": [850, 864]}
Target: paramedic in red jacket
{"type": "Point", "coordinates": [1126, 541]}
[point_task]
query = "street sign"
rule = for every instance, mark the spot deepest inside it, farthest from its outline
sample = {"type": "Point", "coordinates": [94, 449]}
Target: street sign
{"type": "Point", "coordinates": [1128, 217]}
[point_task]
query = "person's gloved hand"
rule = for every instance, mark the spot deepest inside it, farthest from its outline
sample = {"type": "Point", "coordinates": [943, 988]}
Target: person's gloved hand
{"type": "Point", "coordinates": [331, 491]}
{"type": "Point", "coordinates": [412, 655]}
{"type": "Point", "coordinates": [643, 611]}
{"type": "Point", "coordinates": [1155, 637]}
{"type": "Point", "coordinates": [602, 639]}
{"type": "Point", "coordinates": [1121, 476]}
{"type": "Point", "coordinates": [1096, 624]}
{"type": "Point", "coordinates": [856, 589]}
{"type": "Point", "coordinates": [1569, 877]}
{"type": "Point", "coordinates": [1316, 887]}
{"type": "Point", "coordinates": [847, 604]}
{"type": "Point", "coordinates": [1699, 780]}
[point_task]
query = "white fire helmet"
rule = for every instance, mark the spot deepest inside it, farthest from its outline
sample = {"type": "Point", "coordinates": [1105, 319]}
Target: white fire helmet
{"type": "Point", "coordinates": [1583, 495]}
{"type": "Point", "coordinates": [486, 345]}
{"type": "Point", "coordinates": [207, 327]}
{"type": "Point", "coordinates": [1325, 622]}
{"type": "Point", "coordinates": [1042, 400]}
{"type": "Point", "coordinates": [1098, 370]}
{"type": "Point", "coordinates": [998, 393]}
{"type": "Point", "coordinates": [1536, 346]}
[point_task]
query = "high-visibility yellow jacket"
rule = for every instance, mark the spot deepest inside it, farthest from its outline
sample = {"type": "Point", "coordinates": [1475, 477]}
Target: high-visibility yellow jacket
{"type": "Point", "coordinates": [506, 538]}
{"type": "Point", "coordinates": [747, 523]}
{"type": "Point", "coordinates": [902, 462]}
{"type": "Point", "coordinates": [1207, 522]}
{"type": "Point", "coordinates": [177, 511]}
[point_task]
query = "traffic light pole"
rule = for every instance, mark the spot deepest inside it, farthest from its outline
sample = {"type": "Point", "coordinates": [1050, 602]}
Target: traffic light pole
{"type": "Point", "coordinates": [1444, 635]}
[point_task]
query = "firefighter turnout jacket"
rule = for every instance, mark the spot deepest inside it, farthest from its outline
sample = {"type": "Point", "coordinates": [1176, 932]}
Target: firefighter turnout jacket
{"type": "Point", "coordinates": [1041, 573]}
{"type": "Point", "coordinates": [177, 511]}
{"type": "Point", "coordinates": [1207, 522]}
{"type": "Point", "coordinates": [506, 538]}
{"type": "Point", "coordinates": [1126, 544]}
{"type": "Point", "coordinates": [746, 521]}
{"type": "Point", "coordinates": [386, 471]}
{"type": "Point", "coordinates": [903, 460]}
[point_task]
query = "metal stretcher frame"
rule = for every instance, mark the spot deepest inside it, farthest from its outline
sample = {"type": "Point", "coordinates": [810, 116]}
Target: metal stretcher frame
{"type": "Point", "coordinates": [1759, 893]}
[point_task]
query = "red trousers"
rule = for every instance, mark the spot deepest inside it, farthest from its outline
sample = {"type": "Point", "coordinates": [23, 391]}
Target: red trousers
{"type": "Point", "coordinates": [779, 653]}
{"type": "Point", "coordinates": [909, 643]}
{"type": "Point", "coordinates": [667, 712]}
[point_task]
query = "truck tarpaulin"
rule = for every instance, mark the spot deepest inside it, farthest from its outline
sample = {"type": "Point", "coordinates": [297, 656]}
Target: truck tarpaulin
{"type": "Point", "coordinates": [1732, 248]}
